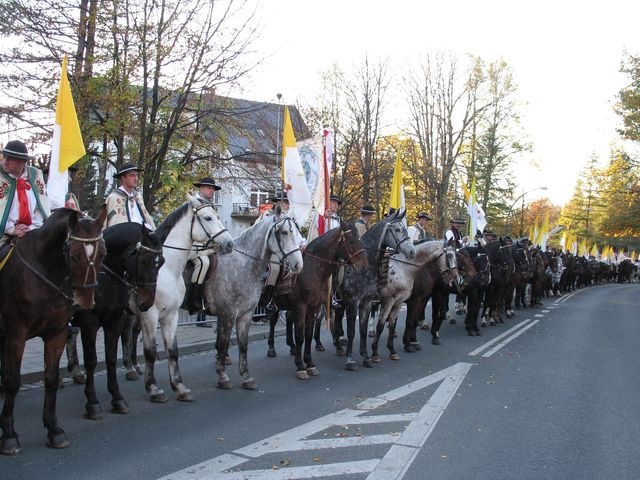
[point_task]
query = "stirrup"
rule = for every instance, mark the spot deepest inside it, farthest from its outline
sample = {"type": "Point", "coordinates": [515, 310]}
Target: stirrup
{"type": "Point", "coordinates": [271, 307]}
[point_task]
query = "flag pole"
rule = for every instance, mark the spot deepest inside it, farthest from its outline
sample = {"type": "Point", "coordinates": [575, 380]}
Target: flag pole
{"type": "Point", "coordinates": [279, 143]}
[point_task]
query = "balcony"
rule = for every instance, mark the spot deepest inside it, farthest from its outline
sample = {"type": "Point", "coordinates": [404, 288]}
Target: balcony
{"type": "Point", "coordinates": [244, 210]}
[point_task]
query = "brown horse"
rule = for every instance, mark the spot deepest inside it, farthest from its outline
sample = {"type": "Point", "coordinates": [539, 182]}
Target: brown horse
{"type": "Point", "coordinates": [51, 271]}
{"type": "Point", "coordinates": [322, 257]}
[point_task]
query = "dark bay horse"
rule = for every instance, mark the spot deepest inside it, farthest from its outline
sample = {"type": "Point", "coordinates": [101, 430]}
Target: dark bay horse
{"type": "Point", "coordinates": [129, 270]}
{"type": "Point", "coordinates": [398, 285]}
{"type": "Point", "coordinates": [476, 290]}
{"type": "Point", "coordinates": [359, 287]}
{"type": "Point", "coordinates": [322, 257]}
{"type": "Point", "coordinates": [502, 267]}
{"type": "Point", "coordinates": [50, 272]}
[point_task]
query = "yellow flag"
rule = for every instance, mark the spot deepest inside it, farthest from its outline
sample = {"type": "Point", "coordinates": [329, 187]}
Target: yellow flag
{"type": "Point", "coordinates": [67, 146]}
{"type": "Point", "coordinates": [397, 188]}
{"type": "Point", "coordinates": [71, 147]}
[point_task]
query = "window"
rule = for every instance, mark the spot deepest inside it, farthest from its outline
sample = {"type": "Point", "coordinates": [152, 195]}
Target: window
{"type": "Point", "coordinates": [258, 197]}
{"type": "Point", "coordinates": [216, 198]}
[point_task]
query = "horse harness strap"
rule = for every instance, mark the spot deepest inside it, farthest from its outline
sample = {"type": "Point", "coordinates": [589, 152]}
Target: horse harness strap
{"type": "Point", "coordinates": [91, 259]}
{"type": "Point", "coordinates": [42, 277]}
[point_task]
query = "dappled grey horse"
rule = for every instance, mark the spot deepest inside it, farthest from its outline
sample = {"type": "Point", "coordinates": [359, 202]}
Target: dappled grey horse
{"type": "Point", "coordinates": [233, 290]}
{"type": "Point", "coordinates": [360, 287]}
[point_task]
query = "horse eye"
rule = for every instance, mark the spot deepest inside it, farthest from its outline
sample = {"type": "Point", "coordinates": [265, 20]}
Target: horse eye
{"type": "Point", "coordinates": [208, 218]}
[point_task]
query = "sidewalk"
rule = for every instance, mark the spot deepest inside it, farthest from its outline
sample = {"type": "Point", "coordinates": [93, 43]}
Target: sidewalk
{"type": "Point", "coordinates": [191, 339]}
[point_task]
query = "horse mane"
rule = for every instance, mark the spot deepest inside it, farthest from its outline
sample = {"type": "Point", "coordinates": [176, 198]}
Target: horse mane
{"type": "Point", "coordinates": [317, 243]}
{"type": "Point", "coordinates": [252, 234]}
{"type": "Point", "coordinates": [174, 217]}
{"type": "Point", "coordinates": [54, 228]}
{"type": "Point", "coordinates": [120, 236]}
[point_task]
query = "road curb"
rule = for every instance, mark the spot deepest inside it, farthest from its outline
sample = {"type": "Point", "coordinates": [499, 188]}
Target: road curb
{"type": "Point", "coordinates": [199, 347]}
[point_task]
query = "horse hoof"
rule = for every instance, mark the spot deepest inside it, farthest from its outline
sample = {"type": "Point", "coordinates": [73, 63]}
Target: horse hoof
{"type": "Point", "coordinates": [159, 397]}
{"type": "Point", "coordinates": [119, 406]}
{"type": "Point", "coordinates": [409, 348]}
{"type": "Point", "coordinates": [302, 375]}
{"type": "Point", "coordinates": [394, 356]}
{"type": "Point", "coordinates": [435, 341]}
{"type": "Point", "coordinates": [343, 342]}
{"type": "Point", "coordinates": [313, 371]}
{"type": "Point", "coordinates": [138, 369]}
{"type": "Point", "coordinates": [79, 378]}
{"type": "Point", "coordinates": [350, 366]}
{"type": "Point", "coordinates": [271, 353]}
{"type": "Point", "coordinates": [477, 332]}
{"type": "Point", "coordinates": [185, 397]}
{"type": "Point", "coordinates": [471, 333]}
{"type": "Point", "coordinates": [367, 362]}
{"type": "Point", "coordinates": [10, 445]}
{"type": "Point", "coordinates": [319, 347]}
{"type": "Point", "coordinates": [339, 352]}
{"type": "Point", "coordinates": [227, 360]}
{"type": "Point", "coordinates": [452, 321]}
{"type": "Point", "coordinates": [224, 385]}
{"type": "Point", "coordinates": [375, 358]}
{"type": "Point", "coordinates": [249, 384]}
{"type": "Point", "coordinates": [424, 326]}
{"type": "Point", "coordinates": [132, 375]}
{"type": "Point", "coordinates": [93, 411]}
{"type": "Point", "coordinates": [417, 346]}
{"type": "Point", "coordinates": [58, 439]}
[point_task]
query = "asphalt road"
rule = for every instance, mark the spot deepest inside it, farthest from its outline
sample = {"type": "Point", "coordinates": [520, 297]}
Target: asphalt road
{"type": "Point", "coordinates": [551, 394]}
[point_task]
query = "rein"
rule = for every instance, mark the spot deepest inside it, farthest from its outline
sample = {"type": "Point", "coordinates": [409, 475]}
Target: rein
{"type": "Point", "coordinates": [43, 278]}
{"type": "Point", "coordinates": [206, 246]}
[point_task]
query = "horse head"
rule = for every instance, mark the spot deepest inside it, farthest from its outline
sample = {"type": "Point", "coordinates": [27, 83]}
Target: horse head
{"type": "Point", "coordinates": [85, 250]}
{"type": "Point", "coordinates": [350, 247]}
{"type": "Point", "coordinates": [142, 263]}
{"type": "Point", "coordinates": [466, 269]}
{"type": "Point", "coordinates": [483, 267]}
{"type": "Point", "coordinates": [206, 227]}
{"type": "Point", "coordinates": [282, 241]}
{"type": "Point", "coordinates": [396, 236]}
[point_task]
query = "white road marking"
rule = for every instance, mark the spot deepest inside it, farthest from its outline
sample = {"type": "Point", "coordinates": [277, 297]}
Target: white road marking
{"type": "Point", "coordinates": [545, 311]}
{"type": "Point", "coordinates": [498, 338]}
{"type": "Point", "coordinates": [512, 337]}
{"type": "Point", "coordinates": [539, 315]}
{"type": "Point", "coordinates": [405, 445]}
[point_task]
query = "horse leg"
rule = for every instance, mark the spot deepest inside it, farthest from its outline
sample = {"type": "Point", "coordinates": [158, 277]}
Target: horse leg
{"type": "Point", "coordinates": [409, 338]}
{"type": "Point", "coordinates": [129, 346]}
{"type": "Point", "coordinates": [310, 318]}
{"type": "Point", "coordinates": [149, 323]}
{"type": "Point", "coordinates": [383, 315]}
{"type": "Point", "coordinates": [289, 330]}
{"type": "Point", "coordinates": [273, 320]}
{"type": "Point", "coordinates": [393, 318]}
{"type": "Point", "coordinates": [13, 349]}
{"type": "Point", "coordinates": [363, 317]}
{"type": "Point", "coordinates": [317, 324]}
{"type": "Point", "coordinates": [350, 311]}
{"type": "Point", "coordinates": [438, 299]}
{"type": "Point", "coordinates": [73, 362]}
{"type": "Point", "coordinates": [242, 333]}
{"type": "Point", "coordinates": [337, 331]}
{"type": "Point", "coordinates": [53, 348]}
{"type": "Point", "coordinates": [89, 327]}
{"type": "Point", "coordinates": [112, 331]}
{"type": "Point", "coordinates": [223, 336]}
{"type": "Point", "coordinates": [168, 327]}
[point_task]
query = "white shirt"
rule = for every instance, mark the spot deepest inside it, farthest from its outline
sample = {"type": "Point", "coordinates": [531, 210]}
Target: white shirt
{"type": "Point", "coordinates": [134, 211]}
{"type": "Point", "coordinates": [37, 219]}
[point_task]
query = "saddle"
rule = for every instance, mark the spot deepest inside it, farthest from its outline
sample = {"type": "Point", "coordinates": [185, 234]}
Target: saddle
{"type": "Point", "coordinates": [383, 271]}
{"type": "Point", "coordinates": [286, 281]}
{"type": "Point", "coordinates": [5, 251]}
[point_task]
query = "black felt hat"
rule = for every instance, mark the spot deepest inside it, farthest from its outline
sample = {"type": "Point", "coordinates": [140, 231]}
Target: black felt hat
{"type": "Point", "coordinates": [17, 150]}
{"type": "Point", "coordinates": [207, 182]}
{"type": "Point", "coordinates": [424, 215]}
{"type": "Point", "coordinates": [336, 199]}
{"type": "Point", "coordinates": [458, 220]}
{"type": "Point", "coordinates": [127, 167]}
{"type": "Point", "coordinates": [367, 209]}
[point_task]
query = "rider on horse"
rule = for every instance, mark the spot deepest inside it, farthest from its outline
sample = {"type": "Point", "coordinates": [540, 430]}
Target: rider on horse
{"type": "Point", "coordinates": [124, 204]}
{"type": "Point", "coordinates": [418, 232]}
{"type": "Point", "coordinates": [364, 222]}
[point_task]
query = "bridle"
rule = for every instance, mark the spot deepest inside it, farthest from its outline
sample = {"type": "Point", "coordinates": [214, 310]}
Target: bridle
{"type": "Point", "coordinates": [209, 245]}
{"type": "Point", "coordinates": [405, 237]}
{"type": "Point", "coordinates": [128, 275]}
{"type": "Point", "coordinates": [350, 255]}
{"type": "Point", "coordinates": [275, 230]}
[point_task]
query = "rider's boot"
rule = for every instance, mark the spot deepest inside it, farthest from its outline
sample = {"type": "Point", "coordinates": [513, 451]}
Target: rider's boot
{"type": "Point", "coordinates": [195, 298]}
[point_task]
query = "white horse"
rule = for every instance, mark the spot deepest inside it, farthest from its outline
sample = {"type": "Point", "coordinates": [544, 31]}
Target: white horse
{"type": "Point", "coordinates": [399, 285]}
{"type": "Point", "coordinates": [234, 290]}
{"type": "Point", "coordinates": [193, 222]}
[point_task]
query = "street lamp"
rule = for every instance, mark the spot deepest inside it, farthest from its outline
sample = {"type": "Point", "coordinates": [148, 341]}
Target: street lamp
{"type": "Point", "coordinates": [506, 223]}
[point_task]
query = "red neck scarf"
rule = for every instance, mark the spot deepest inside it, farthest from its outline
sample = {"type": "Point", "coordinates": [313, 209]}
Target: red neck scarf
{"type": "Point", "coordinates": [24, 214]}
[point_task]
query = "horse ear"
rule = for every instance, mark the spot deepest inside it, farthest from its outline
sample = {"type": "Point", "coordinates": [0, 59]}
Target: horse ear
{"type": "Point", "coordinates": [102, 216]}
{"type": "Point", "coordinates": [192, 200]}
{"type": "Point", "coordinates": [278, 210]}
{"type": "Point", "coordinates": [403, 214]}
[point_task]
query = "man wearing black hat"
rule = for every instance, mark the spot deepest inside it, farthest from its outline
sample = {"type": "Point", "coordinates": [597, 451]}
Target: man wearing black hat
{"type": "Point", "coordinates": [206, 190]}
{"type": "Point", "coordinates": [124, 204]}
{"type": "Point", "coordinates": [366, 215]}
{"type": "Point", "coordinates": [418, 232]}
{"type": "Point", "coordinates": [322, 224]}
{"type": "Point", "coordinates": [452, 236]}
{"type": "Point", "coordinates": [24, 204]}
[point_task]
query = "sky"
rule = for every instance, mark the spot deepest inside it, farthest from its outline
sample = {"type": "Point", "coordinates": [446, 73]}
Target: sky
{"type": "Point", "coordinates": [565, 57]}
